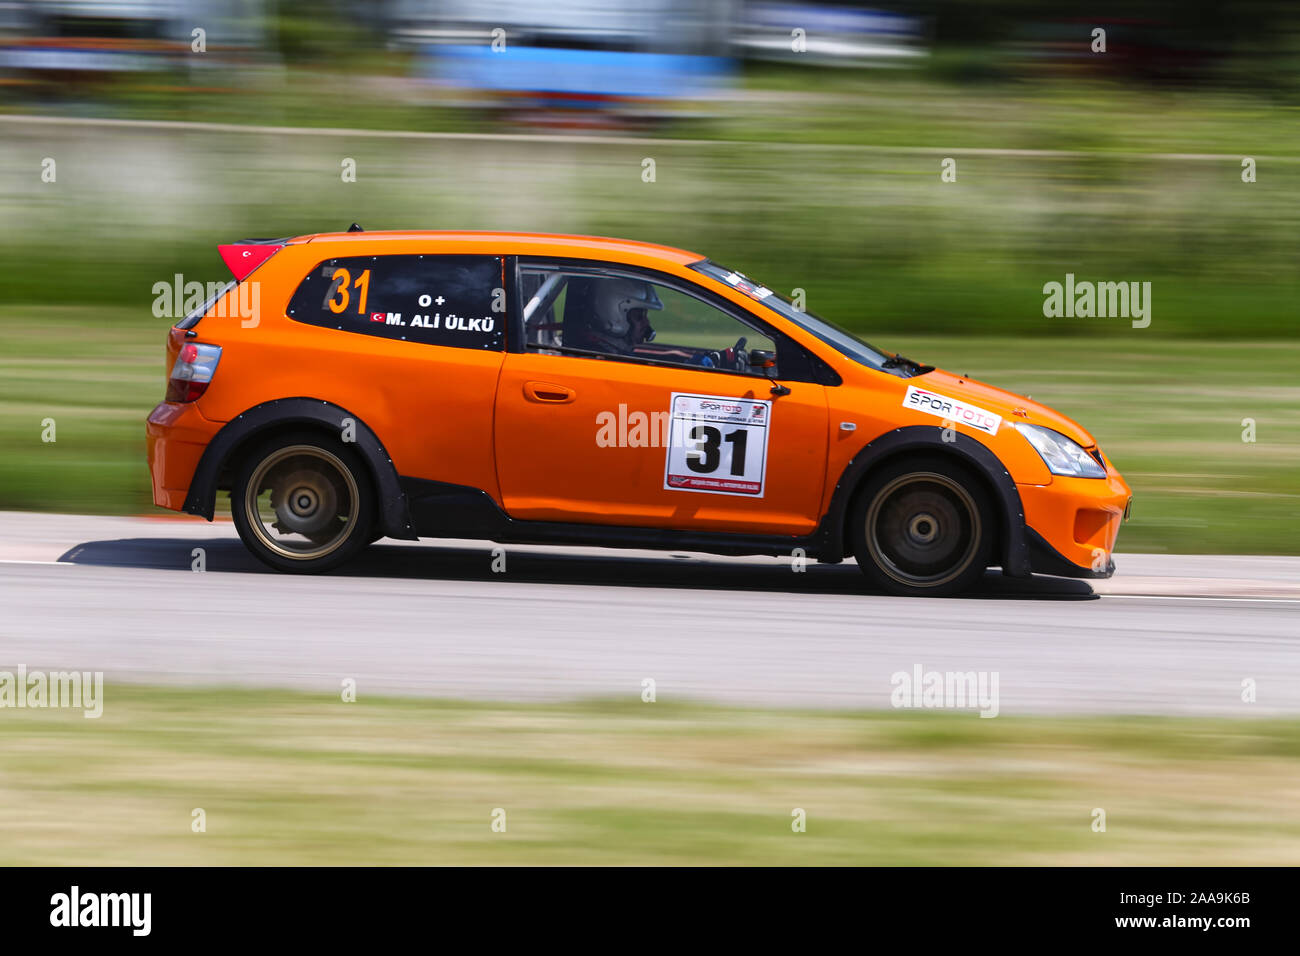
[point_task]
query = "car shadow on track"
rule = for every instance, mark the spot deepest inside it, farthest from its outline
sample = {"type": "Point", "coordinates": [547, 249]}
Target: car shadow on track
{"type": "Point", "coordinates": [458, 563]}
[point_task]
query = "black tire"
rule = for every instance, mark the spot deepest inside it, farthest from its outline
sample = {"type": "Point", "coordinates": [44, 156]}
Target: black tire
{"type": "Point", "coordinates": [314, 507]}
{"type": "Point", "coordinates": [922, 527]}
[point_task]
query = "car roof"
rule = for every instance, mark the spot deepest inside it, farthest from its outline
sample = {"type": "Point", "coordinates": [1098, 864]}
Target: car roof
{"type": "Point", "coordinates": [530, 243]}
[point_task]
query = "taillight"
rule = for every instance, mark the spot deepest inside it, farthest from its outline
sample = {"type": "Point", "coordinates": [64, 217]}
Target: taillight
{"type": "Point", "coordinates": [194, 368]}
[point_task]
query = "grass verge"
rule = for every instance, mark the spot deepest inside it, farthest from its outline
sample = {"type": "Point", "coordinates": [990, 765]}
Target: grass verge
{"type": "Point", "coordinates": [287, 778]}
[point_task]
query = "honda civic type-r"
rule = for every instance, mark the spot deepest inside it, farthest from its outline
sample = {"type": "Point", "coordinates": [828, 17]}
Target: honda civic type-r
{"type": "Point", "coordinates": [518, 387]}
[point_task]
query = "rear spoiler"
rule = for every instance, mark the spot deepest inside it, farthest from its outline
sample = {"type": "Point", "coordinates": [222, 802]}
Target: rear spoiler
{"type": "Point", "coordinates": [244, 256]}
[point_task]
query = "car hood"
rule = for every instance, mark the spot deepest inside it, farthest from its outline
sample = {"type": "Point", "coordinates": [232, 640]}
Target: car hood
{"type": "Point", "coordinates": [1012, 407]}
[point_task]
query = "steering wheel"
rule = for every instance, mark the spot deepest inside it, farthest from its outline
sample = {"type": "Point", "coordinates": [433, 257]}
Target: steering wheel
{"type": "Point", "coordinates": [734, 358]}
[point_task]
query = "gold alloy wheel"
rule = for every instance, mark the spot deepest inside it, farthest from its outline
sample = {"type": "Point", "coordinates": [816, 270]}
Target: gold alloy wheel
{"type": "Point", "coordinates": [302, 502]}
{"type": "Point", "coordinates": [923, 529]}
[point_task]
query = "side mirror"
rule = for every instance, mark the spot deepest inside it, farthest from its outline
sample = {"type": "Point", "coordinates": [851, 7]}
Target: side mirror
{"type": "Point", "coordinates": [761, 358]}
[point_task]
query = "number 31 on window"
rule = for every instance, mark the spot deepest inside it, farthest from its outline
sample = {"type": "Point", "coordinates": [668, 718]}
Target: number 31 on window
{"type": "Point", "coordinates": [338, 300]}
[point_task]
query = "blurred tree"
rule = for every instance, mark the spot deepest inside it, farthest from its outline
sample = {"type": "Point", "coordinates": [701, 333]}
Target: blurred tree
{"type": "Point", "coordinates": [323, 32]}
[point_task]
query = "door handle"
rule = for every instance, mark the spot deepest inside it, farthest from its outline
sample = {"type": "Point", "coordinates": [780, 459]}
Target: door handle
{"type": "Point", "coordinates": [548, 393]}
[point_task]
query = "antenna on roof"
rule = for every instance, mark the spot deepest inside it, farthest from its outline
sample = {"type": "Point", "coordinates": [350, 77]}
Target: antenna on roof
{"type": "Point", "coordinates": [355, 228]}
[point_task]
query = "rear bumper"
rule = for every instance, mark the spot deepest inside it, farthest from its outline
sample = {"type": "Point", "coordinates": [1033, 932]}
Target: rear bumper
{"type": "Point", "coordinates": [175, 436]}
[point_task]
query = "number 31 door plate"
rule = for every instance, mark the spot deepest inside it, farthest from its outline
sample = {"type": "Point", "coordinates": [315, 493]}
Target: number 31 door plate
{"type": "Point", "coordinates": [717, 445]}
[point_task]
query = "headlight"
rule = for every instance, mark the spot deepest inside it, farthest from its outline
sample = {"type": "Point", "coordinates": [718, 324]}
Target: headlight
{"type": "Point", "coordinates": [1062, 456]}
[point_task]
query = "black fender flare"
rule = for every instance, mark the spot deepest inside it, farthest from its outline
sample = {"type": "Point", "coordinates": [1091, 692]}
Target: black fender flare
{"type": "Point", "coordinates": [394, 514]}
{"type": "Point", "coordinates": [1014, 557]}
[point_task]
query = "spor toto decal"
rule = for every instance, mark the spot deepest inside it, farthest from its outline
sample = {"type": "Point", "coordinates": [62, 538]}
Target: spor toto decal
{"type": "Point", "coordinates": [717, 445]}
{"type": "Point", "coordinates": [951, 408]}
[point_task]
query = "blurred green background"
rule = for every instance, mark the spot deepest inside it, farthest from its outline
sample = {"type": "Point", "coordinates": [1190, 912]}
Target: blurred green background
{"type": "Point", "coordinates": [812, 173]}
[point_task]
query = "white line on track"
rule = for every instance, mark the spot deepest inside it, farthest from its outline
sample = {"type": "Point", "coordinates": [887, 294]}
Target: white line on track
{"type": "Point", "coordinates": [1197, 597]}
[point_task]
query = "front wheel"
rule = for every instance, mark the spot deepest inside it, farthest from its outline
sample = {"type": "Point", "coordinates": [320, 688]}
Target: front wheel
{"type": "Point", "coordinates": [922, 528]}
{"type": "Point", "coordinates": [303, 503]}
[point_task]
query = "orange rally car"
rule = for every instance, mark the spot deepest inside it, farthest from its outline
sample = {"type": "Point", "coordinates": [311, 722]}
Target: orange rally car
{"type": "Point", "coordinates": [577, 390]}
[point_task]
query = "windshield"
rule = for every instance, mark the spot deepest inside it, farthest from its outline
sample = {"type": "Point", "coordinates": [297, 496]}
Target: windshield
{"type": "Point", "coordinates": [842, 340]}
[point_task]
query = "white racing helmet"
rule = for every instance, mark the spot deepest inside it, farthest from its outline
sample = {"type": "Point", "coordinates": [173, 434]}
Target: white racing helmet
{"type": "Point", "coordinates": [618, 316]}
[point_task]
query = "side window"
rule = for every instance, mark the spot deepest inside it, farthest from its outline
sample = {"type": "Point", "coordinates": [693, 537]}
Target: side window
{"type": "Point", "coordinates": [435, 300]}
{"type": "Point", "coordinates": [630, 318]}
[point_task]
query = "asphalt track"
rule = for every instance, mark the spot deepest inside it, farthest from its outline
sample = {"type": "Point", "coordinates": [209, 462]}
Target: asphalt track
{"type": "Point", "coordinates": [1170, 634]}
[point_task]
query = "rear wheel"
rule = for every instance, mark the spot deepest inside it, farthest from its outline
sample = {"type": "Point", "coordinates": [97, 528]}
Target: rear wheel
{"type": "Point", "coordinates": [922, 528]}
{"type": "Point", "coordinates": [303, 502]}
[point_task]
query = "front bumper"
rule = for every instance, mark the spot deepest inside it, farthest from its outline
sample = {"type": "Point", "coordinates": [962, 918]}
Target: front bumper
{"type": "Point", "coordinates": [1044, 559]}
{"type": "Point", "coordinates": [1071, 525]}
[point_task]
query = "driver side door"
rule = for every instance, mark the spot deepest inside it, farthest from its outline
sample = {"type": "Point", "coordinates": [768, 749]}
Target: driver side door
{"type": "Point", "coordinates": [674, 432]}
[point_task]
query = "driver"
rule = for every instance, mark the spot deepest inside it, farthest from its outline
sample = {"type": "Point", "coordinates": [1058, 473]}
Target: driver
{"type": "Point", "coordinates": [616, 318]}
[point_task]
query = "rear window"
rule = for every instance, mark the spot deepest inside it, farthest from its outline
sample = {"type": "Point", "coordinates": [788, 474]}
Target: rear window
{"type": "Point", "coordinates": [192, 318]}
{"type": "Point", "coordinates": [434, 300]}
